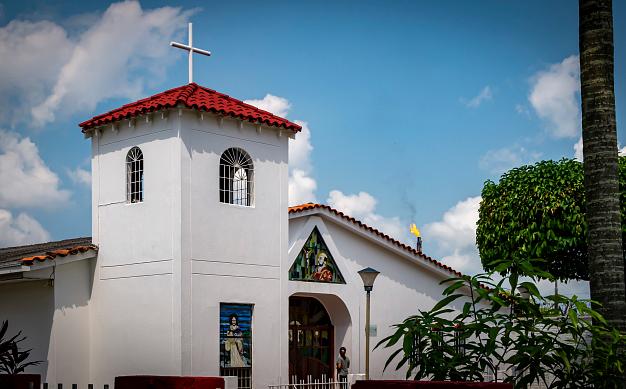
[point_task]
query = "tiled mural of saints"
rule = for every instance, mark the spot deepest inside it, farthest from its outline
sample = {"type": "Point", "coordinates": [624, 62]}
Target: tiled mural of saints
{"type": "Point", "coordinates": [235, 335]}
{"type": "Point", "coordinates": [234, 342]}
{"type": "Point", "coordinates": [315, 262]}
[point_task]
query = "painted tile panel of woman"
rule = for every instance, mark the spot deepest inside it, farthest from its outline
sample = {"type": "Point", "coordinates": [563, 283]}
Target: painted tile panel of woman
{"type": "Point", "coordinates": [234, 342]}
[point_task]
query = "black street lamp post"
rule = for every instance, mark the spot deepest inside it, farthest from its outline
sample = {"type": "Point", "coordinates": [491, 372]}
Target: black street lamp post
{"type": "Point", "coordinates": [368, 275]}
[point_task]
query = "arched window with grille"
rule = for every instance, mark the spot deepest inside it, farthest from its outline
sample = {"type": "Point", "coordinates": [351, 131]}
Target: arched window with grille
{"type": "Point", "coordinates": [236, 177]}
{"type": "Point", "coordinates": [134, 175]}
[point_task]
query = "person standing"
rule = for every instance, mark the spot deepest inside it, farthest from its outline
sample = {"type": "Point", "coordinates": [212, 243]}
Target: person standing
{"type": "Point", "coordinates": [343, 364]}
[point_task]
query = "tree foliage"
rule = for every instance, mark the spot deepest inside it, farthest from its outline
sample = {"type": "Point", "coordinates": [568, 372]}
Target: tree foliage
{"type": "Point", "coordinates": [537, 212]}
{"type": "Point", "coordinates": [509, 333]}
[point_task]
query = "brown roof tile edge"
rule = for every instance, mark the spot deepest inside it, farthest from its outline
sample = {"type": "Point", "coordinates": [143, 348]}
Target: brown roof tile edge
{"type": "Point", "coordinates": [309, 206]}
{"type": "Point", "coordinates": [49, 255]}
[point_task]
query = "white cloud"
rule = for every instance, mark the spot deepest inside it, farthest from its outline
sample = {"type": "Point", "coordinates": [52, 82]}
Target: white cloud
{"type": "Point", "coordinates": [124, 40]}
{"type": "Point", "coordinates": [25, 180]}
{"type": "Point", "coordinates": [33, 54]}
{"type": "Point", "coordinates": [464, 260]}
{"type": "Point", "coordinates": [622, 151]}
{"type": "Point", "coordinates": [578, 149]}
{"type": "Point", "coordinates": [300, 149]}
{"type": "Point", "coordinates": [277, 105]}
{"type": "Point", "coordinates": [454, 237]}
{"type": "Point", "coordinates": [356, 205]}
{"type": "Point", "coordinates": [80, 176]}
{"type": "Point", "coordinates": [555, 97]}
{"type": "Point", "coordinates": [475, 102]}
{"type": "Point", "coordinates": [301, 188]}
{"type": "Point", "coordinates": [362, 206]}
{"type": "Point", "coordinates": [301, 185]}
{"type": "Point", "coordinates": [501, 160]}
{"type": "Point", "coordinates": [20, 230]}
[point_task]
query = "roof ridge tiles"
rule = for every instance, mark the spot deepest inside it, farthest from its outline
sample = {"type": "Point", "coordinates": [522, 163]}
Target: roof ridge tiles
{"type": "Point", "coordinates": [225, 96]}
{"type": "Point", "coordinates": [187, 91]}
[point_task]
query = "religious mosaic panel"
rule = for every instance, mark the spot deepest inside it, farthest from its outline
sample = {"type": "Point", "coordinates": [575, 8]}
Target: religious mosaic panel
{"type": "Point", "coordinates": [235, 335]}
{"type": "Point", "coordinates": [315, 262]}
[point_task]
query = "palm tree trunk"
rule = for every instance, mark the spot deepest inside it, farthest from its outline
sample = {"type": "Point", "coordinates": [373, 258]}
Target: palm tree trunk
{"type": "Point", "coordinates": [606, 259]}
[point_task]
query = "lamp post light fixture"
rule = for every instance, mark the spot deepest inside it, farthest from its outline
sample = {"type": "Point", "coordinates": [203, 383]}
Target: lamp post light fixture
{"type": "Point", "coordinates": [368, 275]}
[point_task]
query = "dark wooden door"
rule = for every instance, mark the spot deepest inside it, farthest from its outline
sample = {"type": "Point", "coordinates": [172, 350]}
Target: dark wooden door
{"type": "Point", "coordinates": [311, 340]}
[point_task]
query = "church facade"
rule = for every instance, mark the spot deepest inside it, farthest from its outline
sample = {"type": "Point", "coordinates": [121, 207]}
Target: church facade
{"type": "Point", "coordinates": [196, 264]}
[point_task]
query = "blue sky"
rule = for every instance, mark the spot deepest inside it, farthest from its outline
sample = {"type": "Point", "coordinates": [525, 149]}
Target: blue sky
{"type": "Point", "coordinates": [411, 105]}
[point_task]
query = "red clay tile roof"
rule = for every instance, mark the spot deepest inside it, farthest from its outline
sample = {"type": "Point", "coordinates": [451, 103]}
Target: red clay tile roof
{"type": "Point", "coordinates": [309, 206]}
{"type": "Point", "coordinates": [196, 97]}
{"type": "Point", "coordinates": [58, 253]}
{"type": "Point", "coordinates": [17, 256]}
{"type": "Point", "coordinates": [11, 257]}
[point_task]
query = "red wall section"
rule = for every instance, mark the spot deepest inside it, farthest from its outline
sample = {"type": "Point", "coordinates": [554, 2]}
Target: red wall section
{"type": "Point", "coordinates": [428, 385]}
{"type": "Point", "coordinates": [168, 382]}
{"type": "Point", "coordinates": [20, 381]}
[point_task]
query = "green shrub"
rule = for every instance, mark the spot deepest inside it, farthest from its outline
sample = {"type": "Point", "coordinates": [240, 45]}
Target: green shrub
{"type": "Point", "coordinates": [506, 335]}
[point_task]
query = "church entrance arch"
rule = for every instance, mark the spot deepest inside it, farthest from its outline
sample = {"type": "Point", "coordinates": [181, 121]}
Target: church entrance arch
{"type": "Point", "coordinates": [311, 339]}
{"type": "Point", "coordinates": [318, 325]}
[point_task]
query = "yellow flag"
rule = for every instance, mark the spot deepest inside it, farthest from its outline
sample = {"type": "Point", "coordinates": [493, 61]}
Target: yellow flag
{"type": "Point", "coordinates": [414, 230]}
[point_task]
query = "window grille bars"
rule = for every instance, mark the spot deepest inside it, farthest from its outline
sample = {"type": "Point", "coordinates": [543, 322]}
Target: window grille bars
{"type": "Point", "coordinates": [313, 383]}
{"type": "Point", "coordinates": [134, 175]}
{"type": "Point", "coordinates": [243, 374]}
{"type": "Point", "coordinates": [236, 177]}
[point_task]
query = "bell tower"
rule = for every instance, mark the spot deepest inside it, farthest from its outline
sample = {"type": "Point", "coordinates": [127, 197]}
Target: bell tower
{"type": "Point", "coordinates": [189, 202]}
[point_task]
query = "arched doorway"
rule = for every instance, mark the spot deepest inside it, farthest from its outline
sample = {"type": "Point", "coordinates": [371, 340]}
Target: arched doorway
{"type": "Point", "coordinates": [311, 340]}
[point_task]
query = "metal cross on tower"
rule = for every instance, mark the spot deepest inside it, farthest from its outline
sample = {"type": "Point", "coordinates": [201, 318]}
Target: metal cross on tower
{"type": "Point", "coordinates": [191, 50]}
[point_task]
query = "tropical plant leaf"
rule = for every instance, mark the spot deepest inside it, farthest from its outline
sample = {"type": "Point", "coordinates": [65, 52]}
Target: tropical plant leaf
{"type": "Point", "coordinates": [445, 301]}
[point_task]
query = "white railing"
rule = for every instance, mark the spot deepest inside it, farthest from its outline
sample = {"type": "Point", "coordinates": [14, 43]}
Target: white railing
{"type": "Point", "coordinates": [502, 374]}
{"type": "Point", "coordinates": [312, 383]}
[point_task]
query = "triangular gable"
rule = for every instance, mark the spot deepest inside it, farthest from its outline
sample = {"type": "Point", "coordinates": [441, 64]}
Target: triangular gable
{"type": "Point", "coordinates": [315, 262]}
{"type": "Point", "coordinates": [380, 238]}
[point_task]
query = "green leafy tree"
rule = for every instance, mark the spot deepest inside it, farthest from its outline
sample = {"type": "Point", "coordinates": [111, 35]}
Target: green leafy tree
{"type": "Point", "coordinates": [511, 334]}
{"type": "Point", "coordinates": [537, 212]}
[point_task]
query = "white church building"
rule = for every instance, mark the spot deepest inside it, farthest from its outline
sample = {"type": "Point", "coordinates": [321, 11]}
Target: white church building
{"type": "Point", "coordinates": [197, 266]}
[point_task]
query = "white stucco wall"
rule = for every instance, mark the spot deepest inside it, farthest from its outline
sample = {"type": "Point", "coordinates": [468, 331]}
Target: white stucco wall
{"type": "Point", "coordinates": [54, 318]}
{"type": "Point", "coordinates": [70, 325]}
{"type": "Point", "coordinates": [135, 313]}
